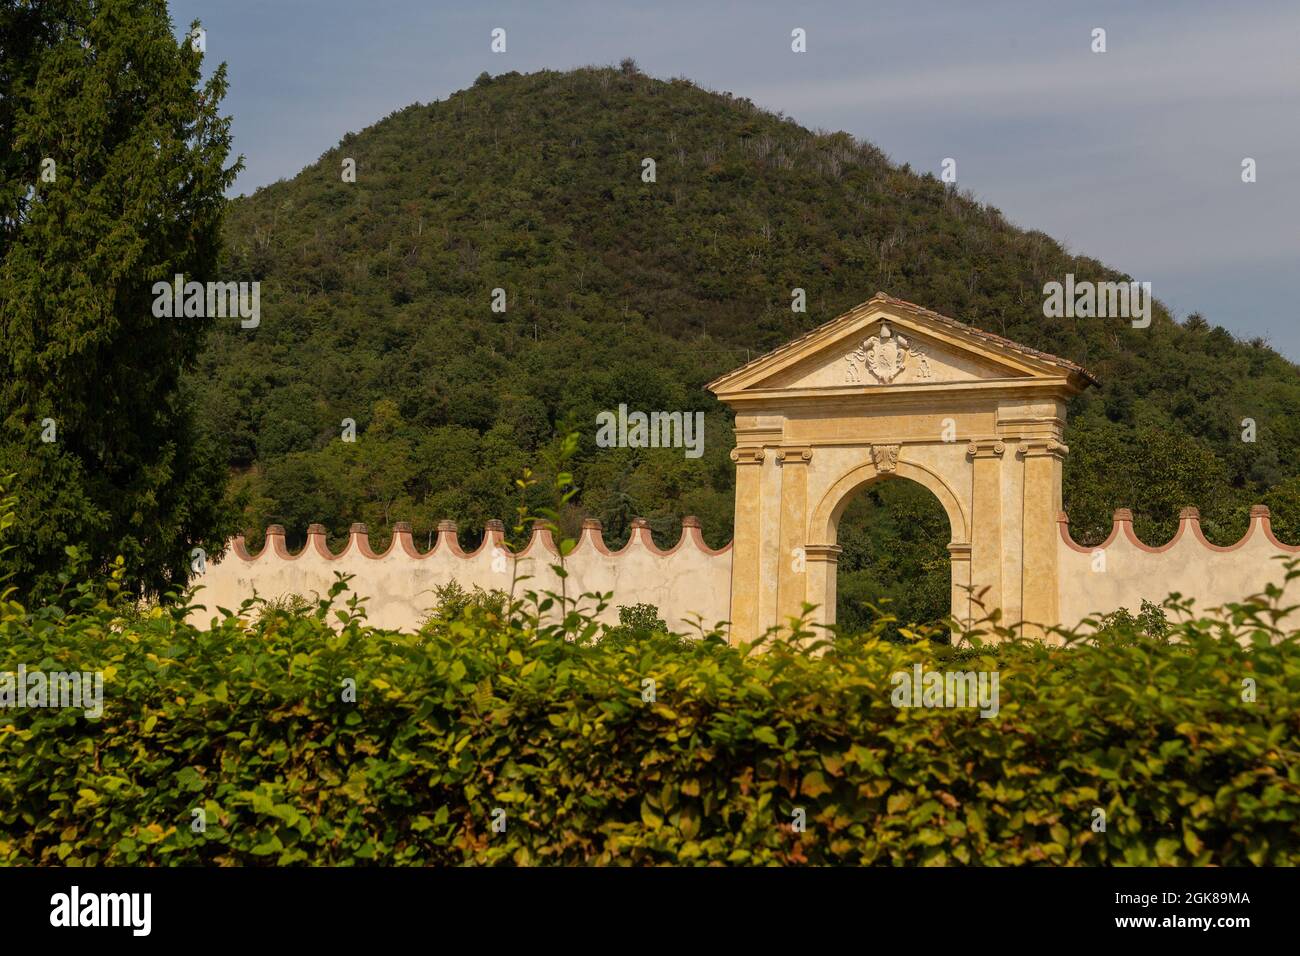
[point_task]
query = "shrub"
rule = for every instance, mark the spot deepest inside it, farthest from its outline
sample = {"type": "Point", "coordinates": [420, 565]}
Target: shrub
{"type": "Point", "coordinates": [288, 604]}
{"type": "Point", "coordinates": [250, 721]}
{"type": "Point", "coordinates": [453, 601]}
{"type": "Point", "coordinates": [1121, 624]}
{"type": "Point", "coordinates": [637, 622]}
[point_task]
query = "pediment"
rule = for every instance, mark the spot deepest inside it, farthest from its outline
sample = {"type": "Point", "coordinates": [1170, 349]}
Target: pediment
{"type": "Point", "coordinates": [886, 352]}
{"type": "Point", "coordinates": [890, 345]}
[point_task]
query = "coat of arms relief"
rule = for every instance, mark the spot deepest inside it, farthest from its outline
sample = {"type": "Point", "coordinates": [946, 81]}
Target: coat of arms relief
{"type": "Point", "coordinates": [885, 355]}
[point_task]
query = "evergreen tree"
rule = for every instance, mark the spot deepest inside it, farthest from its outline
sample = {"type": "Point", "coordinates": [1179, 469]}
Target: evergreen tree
{"type": "Point", "coordinates": [112, 174]}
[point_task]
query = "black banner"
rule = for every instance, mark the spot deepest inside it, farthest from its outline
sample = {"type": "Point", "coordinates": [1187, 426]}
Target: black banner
{"type": "Point", "coordinates": [737, 905]}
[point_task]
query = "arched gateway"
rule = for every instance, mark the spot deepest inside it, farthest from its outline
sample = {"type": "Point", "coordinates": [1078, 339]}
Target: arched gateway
{"type": "Point", "coordinates": [890, 389]}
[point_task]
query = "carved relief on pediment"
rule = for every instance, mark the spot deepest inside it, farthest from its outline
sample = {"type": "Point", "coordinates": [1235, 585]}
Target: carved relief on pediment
{"type": "Point", "coordinates": [884, 356]}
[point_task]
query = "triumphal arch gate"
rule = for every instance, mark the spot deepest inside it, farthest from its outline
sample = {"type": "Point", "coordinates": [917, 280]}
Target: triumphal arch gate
{"type": "Point", "coordinates": [892, 391]}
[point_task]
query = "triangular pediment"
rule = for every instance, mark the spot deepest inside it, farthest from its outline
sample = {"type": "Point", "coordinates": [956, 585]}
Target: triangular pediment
{"type": "Point", "coordinates": [887, 344]}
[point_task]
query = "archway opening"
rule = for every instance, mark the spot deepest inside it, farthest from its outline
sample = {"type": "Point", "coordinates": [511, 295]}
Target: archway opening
{"type": "Point", "coordinates": [894, 534]}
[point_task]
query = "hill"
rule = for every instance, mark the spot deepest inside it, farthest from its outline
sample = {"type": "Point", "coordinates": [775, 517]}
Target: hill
{"type": "Point", "coordinates": [377, 294]}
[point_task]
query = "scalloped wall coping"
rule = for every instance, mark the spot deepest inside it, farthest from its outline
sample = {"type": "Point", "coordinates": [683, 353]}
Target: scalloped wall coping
{"type": "Point", "coordinates": [591, 538]}
{"type": "Point", "coordinates": [541, 540]}
{"type": "Point", "coordinates": [1189, 524]}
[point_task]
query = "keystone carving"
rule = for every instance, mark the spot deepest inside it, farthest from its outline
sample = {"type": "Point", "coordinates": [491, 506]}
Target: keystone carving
{"type": "Point", "coordinates": [885, 458]}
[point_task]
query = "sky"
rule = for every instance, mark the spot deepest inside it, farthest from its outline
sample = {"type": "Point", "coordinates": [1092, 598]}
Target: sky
{"type": "Point", "coordinates": [1132, 156]}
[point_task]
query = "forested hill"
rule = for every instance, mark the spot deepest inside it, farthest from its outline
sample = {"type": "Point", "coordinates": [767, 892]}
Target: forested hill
{"type": "Point", "coordinates": [376, 306]}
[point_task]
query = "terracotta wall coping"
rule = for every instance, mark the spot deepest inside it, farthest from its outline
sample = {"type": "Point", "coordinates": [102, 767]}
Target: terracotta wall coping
{"type": "Point", "coordinates": [1189, 523]}
{"type": "Point", "coordinates": [591, 538]}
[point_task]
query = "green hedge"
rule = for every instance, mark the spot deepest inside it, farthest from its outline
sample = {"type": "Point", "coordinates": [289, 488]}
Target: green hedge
{"type": "Point", "coordinates": [246, 721]}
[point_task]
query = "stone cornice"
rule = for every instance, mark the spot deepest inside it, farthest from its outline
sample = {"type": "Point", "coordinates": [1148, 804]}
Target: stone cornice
{"type": "Point", "coordinates": [776, 398]}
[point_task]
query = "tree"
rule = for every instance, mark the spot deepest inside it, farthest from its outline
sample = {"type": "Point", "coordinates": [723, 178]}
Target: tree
{"type": "Point", "coordinates": [1154, 471]}
{"type": "Point", "coordinates": [112, 175]}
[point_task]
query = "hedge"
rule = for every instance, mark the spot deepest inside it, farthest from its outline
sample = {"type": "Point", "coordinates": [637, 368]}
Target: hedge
{"type": "Point", "coordinates": [246, 721]}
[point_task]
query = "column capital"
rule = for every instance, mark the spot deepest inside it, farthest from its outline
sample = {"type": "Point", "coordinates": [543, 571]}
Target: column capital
{"type": "Point", "coordinates": [747, 454]}
{"type": "Point", "coordinates": [829, 553]}
{"type": "Point", "coordinates": [1043, 448]}
{"type": "Point", "coordinates": [986, 448]}
{"type": "Point", "coordinates": [794, 454]}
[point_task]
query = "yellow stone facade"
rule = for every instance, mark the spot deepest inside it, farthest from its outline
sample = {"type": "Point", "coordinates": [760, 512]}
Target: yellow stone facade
{"type": "Point", "coordinates": [891, 390]}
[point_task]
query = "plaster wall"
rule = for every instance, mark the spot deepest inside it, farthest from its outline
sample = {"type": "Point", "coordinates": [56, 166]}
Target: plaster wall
{"type": "Point", "coordinates": [1123, 571]}
{"type": "Point", "coordinates": [684, 582]}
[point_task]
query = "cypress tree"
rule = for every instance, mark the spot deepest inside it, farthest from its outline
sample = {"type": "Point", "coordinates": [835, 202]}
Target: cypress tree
{"type": "Point", "coordinates": [112, 177]}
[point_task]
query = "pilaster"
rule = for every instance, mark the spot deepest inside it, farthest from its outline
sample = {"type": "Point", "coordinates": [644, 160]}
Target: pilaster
{"type": "Point", "coordinates": [1042, 502]}
{"type": "Point", "coordinates": [986, 526]}
{"type": "Point", "coordinates": [746, 543]}
{"type": "Point", "coordinates": [792, 576]}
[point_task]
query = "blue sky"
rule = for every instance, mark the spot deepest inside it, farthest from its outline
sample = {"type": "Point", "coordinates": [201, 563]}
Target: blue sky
{"type": "Point", "coordinates": [1132, 156]}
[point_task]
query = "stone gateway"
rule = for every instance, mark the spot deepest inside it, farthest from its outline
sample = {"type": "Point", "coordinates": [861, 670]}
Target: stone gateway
{"type": "Point", "coordinates": [971, 416]}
